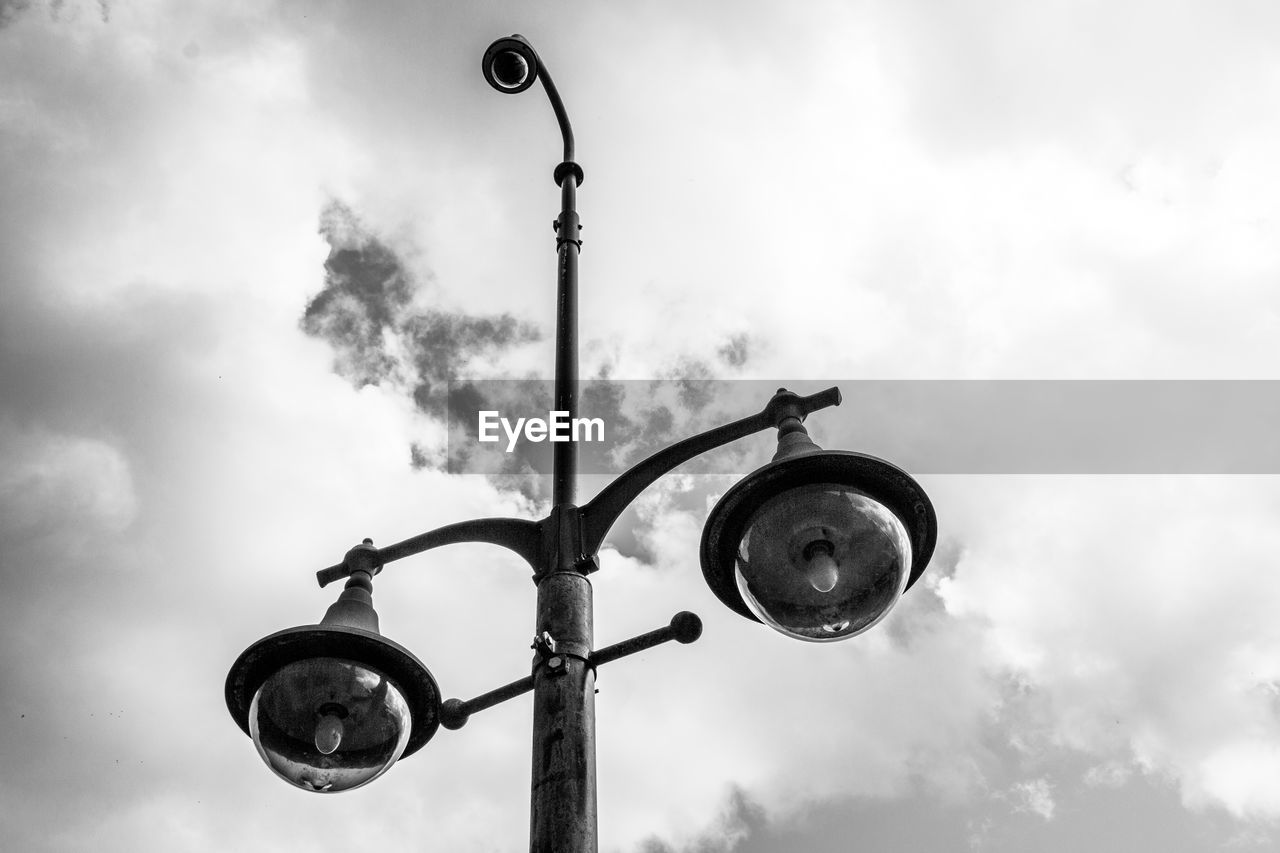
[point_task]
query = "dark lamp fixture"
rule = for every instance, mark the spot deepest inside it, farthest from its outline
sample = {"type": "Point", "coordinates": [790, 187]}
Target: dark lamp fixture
{"type": "Point", "coordinates": [331, 707]}
{"type": "Point", "coordinates": [818, 544]}
{"type": "Point", "coordinates": [328, 724]}
{"type": "Point", "coordinates": [510, 65]}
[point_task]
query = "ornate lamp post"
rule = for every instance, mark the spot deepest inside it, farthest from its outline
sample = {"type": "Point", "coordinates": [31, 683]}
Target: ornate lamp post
{"type": "Point", "coordinates": [818, 544]}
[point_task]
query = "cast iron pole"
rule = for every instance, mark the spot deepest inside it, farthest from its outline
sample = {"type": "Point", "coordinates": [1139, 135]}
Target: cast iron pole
{"type": "Point", "coordinates": [562, 817]}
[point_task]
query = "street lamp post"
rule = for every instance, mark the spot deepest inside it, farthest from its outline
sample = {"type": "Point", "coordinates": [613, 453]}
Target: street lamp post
{"type": "Point", "coordinates": [817, 544]}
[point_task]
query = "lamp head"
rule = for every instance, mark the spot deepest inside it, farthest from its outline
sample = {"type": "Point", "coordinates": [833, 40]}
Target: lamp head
{"type": "Point", "coordinates": [818, 544]}
{"type": "Point", "coordinates": [510, 65]}
{"type": "Point", "coordinates": [331, 707]}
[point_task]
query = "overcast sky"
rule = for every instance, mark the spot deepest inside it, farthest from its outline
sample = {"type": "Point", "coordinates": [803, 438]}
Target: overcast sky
{"type": "Point", "coordinates": [245, 244]}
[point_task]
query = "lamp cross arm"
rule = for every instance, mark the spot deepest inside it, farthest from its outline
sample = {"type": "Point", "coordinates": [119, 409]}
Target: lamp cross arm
{"type": "Point", "coordinates": [684, 628]}
{"type": "Point", "coordinates": [599, 514]}
{"type": "Point", "coordinates": [519, 535]}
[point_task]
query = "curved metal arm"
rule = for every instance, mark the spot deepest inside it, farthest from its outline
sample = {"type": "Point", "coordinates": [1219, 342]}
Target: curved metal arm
{"type": "Point", "coordinates": [603, 510]}
{"type": "Point", "coordinates": [520, 45]}
{"type": "Point", "coordinates": [553, 95]}
{"type": "Point", "coordinates": [519, 535]}
{"type": "Point", "coordinates": [567, 167]}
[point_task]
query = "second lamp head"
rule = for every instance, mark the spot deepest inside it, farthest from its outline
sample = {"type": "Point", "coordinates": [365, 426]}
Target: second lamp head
{"type": "Point", "coordinates": [819, 545]}
{"type": "Point", "coordinates": [510, 65]}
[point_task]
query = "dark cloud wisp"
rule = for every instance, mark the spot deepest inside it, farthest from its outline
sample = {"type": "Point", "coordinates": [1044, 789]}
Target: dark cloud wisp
{"type": "Point", "coordinates": [367, 313]}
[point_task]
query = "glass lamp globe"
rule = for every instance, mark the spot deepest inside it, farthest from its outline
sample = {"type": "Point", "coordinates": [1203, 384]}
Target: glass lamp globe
{"type": "Point", "coordinates": [822, 562]}
{"type": "Point", "coordinates": [326, 724]}
{"type": "Point", "coordinates": [510, 65]}
{"type": "Point", "coordinates": [331, 707]}
{"type": "Point", "coordinates": [818, 544]}
{"type": "Point", "coordinates": [509, 69]}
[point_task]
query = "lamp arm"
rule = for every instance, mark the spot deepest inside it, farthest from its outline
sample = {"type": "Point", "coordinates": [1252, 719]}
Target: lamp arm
{"type": "Point", "coordinates": [568, 167]}
{"type": "Point", "coordinates": [603, 510]}
{"type": "Point", "coordinates": [562, 116]}
{"type": "Point", "coordinates": [519, 535]}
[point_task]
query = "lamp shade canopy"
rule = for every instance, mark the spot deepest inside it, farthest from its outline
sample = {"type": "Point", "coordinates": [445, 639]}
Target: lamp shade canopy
{"type": "Point", "coordinates": [819, 545]}
{"type": "Point", "coordinates": [332, 707]}
{"type": "Point", "coordinates": [510, 65]}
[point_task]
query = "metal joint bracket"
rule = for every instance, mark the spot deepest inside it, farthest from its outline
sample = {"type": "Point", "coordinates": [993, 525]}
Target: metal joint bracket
{"type": "Point", "coordinates": [545, 647]}
{"type": "Point", "coordinates": [568, 167]}
{"type": "Point", "coordinates": [362, 558]}
{"type": "Point", "coordinates": [787, 404]}
{"type": "Point", "coordinates": [561, 545]}
{"type": "Point", "coordinates": [569, 234]}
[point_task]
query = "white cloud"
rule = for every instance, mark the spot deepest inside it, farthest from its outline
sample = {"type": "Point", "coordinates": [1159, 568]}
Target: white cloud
{"type": "Point", "coordinates": [56, 483]}
{"type": "Point", "coordinates": [1108, 774]}
{"type": "Point", "coordinates": [867, 192]}
{"type": "Point", "coordinates": [1145, 632]}
{"type": "Point", "coordinates": [1035, 796]}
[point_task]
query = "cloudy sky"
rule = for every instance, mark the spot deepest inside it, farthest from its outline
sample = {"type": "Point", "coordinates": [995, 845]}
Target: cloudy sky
{"type": "Point", "coordinates": [246, 245]}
